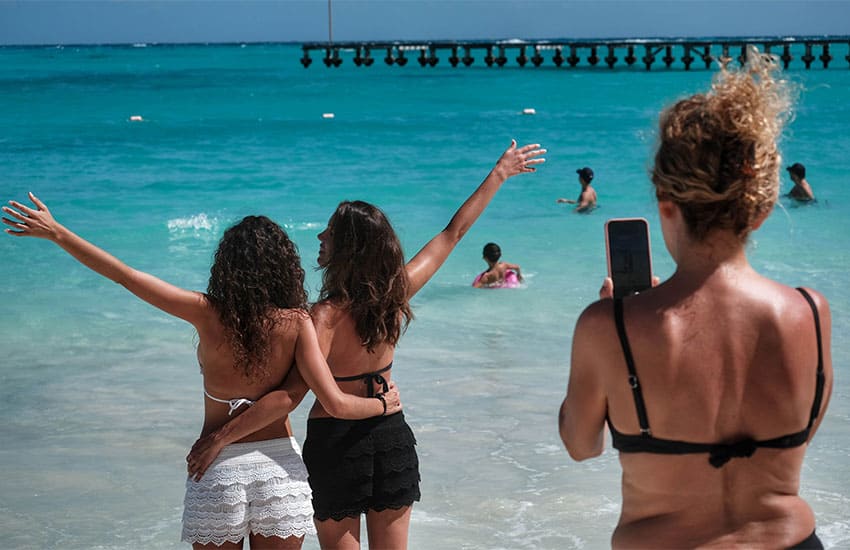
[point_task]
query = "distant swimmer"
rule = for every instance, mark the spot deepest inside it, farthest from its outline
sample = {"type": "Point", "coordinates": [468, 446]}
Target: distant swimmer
{"type": "Point", "coordinates": [802, 191]}
{"type": "Point", "coordinates": [498, 274]}
{"type": "Point", "coordinates": [587, 198]}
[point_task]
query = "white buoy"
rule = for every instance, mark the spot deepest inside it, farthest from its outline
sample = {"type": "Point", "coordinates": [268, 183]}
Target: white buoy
{"type": "Point", "coordinates": [136, 118]}
{"type": "Point", "coordinates": [327, 115]}
{"type": "Point", "coordinates": [529, 111]}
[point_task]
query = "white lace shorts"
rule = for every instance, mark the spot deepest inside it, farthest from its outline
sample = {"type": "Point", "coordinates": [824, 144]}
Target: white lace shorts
{"type": "Point", "coordinates": [258, 487]}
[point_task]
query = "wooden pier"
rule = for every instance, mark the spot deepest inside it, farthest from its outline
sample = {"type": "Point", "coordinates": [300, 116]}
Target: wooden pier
{"type": "Point", "coordinates": [670, 54]}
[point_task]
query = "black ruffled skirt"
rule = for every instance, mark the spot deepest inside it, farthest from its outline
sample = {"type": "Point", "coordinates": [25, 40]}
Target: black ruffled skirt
{"type": "Point", "coordinates": [361, 465]}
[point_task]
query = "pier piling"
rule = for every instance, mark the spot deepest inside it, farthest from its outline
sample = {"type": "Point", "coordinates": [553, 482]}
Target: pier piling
{"type": "Point", "coordinates": [677, 53]}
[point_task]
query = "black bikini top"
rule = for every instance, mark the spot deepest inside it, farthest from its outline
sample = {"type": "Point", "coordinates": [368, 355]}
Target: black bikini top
{"type": "Point", "coordinates": [718, 453]}
{"type": "Point", "coordinates": [370, 379]}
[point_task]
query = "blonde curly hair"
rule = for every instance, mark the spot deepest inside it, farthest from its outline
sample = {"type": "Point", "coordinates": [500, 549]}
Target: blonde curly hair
{"type": "Point", "coordinates": [718, 158]}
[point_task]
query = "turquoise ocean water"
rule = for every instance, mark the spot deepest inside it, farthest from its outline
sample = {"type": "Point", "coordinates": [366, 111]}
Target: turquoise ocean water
{"type": "Point", "coordinates": [100, 394]}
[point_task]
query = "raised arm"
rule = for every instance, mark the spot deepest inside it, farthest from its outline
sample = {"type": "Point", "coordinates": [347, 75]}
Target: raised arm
{"type": "Point", "coordinates": [428, 260]}
{"type": "Point", "coordinates": [38, 222]}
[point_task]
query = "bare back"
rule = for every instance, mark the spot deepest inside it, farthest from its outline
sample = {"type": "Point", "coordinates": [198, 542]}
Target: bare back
{"type": "Point", "coordinates": [222, 380]}
{"type": "Point", "coordinates": [345, 354]}
{"type": "Point", "coordinates": [736, 358]}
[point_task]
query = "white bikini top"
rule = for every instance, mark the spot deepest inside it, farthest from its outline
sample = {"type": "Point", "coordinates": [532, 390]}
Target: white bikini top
{"type": "Point", "coordinates": [234, 403]}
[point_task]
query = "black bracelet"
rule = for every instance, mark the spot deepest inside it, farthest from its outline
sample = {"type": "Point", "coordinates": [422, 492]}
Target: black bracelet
{"type": "Point", "coordinates": [380, 396]}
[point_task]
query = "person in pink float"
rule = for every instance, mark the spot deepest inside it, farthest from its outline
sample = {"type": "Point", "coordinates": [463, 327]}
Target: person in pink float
{"type": "Point", "coordinates": [498, 274]}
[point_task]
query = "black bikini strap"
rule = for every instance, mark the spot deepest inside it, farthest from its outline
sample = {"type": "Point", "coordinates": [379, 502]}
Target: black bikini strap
{"type": "Point", "coordinates": [630, 363]}
{"type": "Point", "coordinates": [370, 379]}
{"type": "Point", "coordinates": [820, 376]}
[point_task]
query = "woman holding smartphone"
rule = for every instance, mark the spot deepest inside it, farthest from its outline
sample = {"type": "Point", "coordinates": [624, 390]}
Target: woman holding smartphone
{"type": "Point", "coordinates": [713, 383]}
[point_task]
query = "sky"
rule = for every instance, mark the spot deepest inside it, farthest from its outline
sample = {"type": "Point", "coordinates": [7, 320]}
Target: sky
{"type": "Point", "coordinates": [30, 22]}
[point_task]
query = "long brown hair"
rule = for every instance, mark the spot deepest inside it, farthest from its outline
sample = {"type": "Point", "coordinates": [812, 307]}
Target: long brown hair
{"type": "Point", "coordinates": [256, 270]}
{"type": "Point", "coordinates": [365, 273]}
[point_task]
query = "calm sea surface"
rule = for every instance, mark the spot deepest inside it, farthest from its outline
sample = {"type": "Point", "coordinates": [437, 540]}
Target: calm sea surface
{"type": "Point", "coordinates": [100, 394]}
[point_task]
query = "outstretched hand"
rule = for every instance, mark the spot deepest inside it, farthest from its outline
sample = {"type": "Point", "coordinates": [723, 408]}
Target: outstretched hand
{"type": "Point", "coordinates": [30, 222]}
{"type": "Point", "coordinates": [517, 160]}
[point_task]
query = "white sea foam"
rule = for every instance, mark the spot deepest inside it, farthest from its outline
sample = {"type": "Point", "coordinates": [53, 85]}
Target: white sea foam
{"type": "Point", "coordinates": [303, 226]}
{"type": "Point", "coordinates": [199, 223]}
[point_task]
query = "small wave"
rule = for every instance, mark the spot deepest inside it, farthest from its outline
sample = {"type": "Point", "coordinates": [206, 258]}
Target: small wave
{"type": "Point", "coordinates": [303, 226]}
{"type": "Point", "coordinates": [196, 224]}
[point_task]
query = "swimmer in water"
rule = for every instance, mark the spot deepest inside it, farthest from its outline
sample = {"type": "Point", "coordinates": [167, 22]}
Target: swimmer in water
{"type": "Point", "coordinates": [498, 274]}
{"type": "Point", "coordinates": [802, 191]}
{"type": "Point", "coordinates": [587, 198]}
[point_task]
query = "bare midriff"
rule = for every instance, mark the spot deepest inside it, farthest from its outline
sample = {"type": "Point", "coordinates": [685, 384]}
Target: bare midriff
{"type": "Point", "coordinates": [681, 501]}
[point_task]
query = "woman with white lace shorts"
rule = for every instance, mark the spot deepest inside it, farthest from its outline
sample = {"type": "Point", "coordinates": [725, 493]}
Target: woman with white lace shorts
{"type": "Point", "coordinates": [369, 467]}
{"type": "Point", "coordinates": [252, 326]}
{"type": "Point", "coordinates": [258, 487]}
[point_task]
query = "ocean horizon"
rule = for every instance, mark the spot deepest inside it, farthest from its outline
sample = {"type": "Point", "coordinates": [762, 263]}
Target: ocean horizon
{"type": "Point", "coordinates": [152, 152]}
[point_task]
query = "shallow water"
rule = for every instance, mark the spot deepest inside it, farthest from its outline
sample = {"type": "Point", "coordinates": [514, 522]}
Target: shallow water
{"type": "Point", "coordinates": [101, 393]}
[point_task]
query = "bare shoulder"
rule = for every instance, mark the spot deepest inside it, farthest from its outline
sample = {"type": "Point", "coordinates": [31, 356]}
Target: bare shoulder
{"type": "Point", "coordinates": [290, 321]}
{"type": "Point", "coordinates": [325, 312]}
{"type": "Point", "coordinates": [597, 315]}
{"type": "Point", "coordinates": [210, 318]}
{"type": "Point", "coordinates": [323, 309]}
{"type": "Point", "coordinates": [819, 299]}
{"type": "Point", "coordinates": [783, 312]}
{"type": "Point", "coordinates": [595, 327]}
{"type": "Point", "coordinates": [821, 305]}
{"type": "Point", "coordinates": [790, 303]}
{"type": "Point", "coordinates": [292, 314]}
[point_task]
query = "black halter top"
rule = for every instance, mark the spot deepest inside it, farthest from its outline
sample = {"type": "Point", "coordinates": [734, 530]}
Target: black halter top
{"type": "Point", "coordinates": [370, 379]}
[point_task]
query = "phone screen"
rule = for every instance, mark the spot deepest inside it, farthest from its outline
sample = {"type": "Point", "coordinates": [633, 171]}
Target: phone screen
{"type": "Point", "coordinates": [629, 261]}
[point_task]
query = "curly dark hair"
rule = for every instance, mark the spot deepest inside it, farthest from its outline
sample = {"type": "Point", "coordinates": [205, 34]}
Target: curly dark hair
{"type": "Point", "coordinates": [256, 269]}
{"type": "Point", "coordinates": [365, 273]}
{"type": "Point", "coordinates": [718, 158]}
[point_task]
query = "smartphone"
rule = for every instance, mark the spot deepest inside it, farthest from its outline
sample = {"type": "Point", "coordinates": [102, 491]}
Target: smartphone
{"type": "Point", "coordinates": [629, 260]}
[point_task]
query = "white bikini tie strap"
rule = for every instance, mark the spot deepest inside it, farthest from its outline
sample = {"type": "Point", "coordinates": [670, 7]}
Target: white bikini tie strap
{"type": "Point", "coordinates": [233, 403]}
